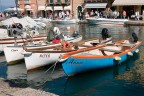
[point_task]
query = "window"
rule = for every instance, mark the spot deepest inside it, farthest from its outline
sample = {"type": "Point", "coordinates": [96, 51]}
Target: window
{"type": "Point", "coordinates": [51, 1]}
{"type": "Point", "coordinates": [66, 1]}
{"type": "Point", "coordinates": [58, 1]}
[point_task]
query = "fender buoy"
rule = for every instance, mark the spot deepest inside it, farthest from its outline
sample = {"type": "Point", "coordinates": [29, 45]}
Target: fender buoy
{"type": "Point", "coordinates": [66, 45]}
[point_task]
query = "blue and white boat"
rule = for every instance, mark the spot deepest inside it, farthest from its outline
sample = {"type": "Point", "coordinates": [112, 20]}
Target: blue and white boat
{"type": "Point", "coordinates": [101, 56]}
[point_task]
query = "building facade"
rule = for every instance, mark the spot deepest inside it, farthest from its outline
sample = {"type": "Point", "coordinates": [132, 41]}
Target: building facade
{"type": "Point", "coordinates": [43, 8]}
{"type": "Point", "coordinates": [30, 6]}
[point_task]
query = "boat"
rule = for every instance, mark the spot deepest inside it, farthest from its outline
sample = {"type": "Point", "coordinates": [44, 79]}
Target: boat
{"type": "Point", "coordinates": [12, 36]}
{"type": "Point", "coordinates": [35, 58]}
{"type": "Point", "coordinates": [66, 21]}
{"type": "Point", "coordinates": [19, 41]}
{"type": "Point", "coordinates": [15, 53]}
{"type": "Point", "coordinates": [98, 57]}
{"type": "Point", "coordinates": [90, 80]}
{"type": "Point", "coordinates": [105, 21]}
{"type": "Point", "coordinates": [44, 20]}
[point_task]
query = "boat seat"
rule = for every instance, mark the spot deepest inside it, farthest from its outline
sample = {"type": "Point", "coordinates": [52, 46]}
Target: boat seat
{"type": "Point", "coordinates": [110, 50]}
{"type": "Point", "coordinates": [85, 45]}
{"type": "Point", "coordinates": [128, 45]}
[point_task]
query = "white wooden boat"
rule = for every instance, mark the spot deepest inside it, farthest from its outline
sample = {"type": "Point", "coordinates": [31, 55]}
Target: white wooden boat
{"type": "Point", "coordinates": [25, 21]}
{"type": "Point", "coordinates": [19, 41]}
{"type": "Point", "coordinates": [14, 54]}
{"type": "Point", "coordinates": [3, 32]}
{"type": "Point", "coordinates": [44, 20]}
{"type": "Point", "coordinates": [106, 21]}
{"type": "Point", "coordinates": [12, 36]}
{"type": "Point", "coordinates": [66, 21]}
{"type": "Point", "coordinates": [35, 58]}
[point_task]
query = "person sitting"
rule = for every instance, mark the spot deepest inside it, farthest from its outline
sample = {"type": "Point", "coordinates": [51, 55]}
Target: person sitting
{"type": "Point", "coordinates": [105, 34]}
{"type": "Point", "coordinates": [75, 34]}
{"type": "Point", "coordinates": [56, 40]}
{"type": "Point", "coordinates": [135, 37]}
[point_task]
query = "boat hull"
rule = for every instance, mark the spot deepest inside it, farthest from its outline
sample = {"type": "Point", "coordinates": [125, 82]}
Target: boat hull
{"type": "Point", "coordinates": [73, 21]}
{"type": "Point", "coordinates": [13, 55]}
{"type": "Point", "coordinates": [104, 21]}
{"type": "Point", "coordinates": [11, 42]}
{"type": "Point", "coordinates": [37, 60]}
{"type": "Point", "coordinates": [73, 66]}
{"type": "Point", "coordinates": [18, 54]}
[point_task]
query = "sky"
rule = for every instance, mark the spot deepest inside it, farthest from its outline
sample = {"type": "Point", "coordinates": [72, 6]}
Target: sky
{"type": "Point", "coordinates": [6, 3]}
{"type": "Point", "coordinates": [9, 3]}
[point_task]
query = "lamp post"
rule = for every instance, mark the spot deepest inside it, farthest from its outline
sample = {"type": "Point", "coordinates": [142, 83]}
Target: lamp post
{"type": "Point", "coordinates": [0, 5]}
{"type": "Point", "coordinates": [16, 3]}
{"type": "Point", "coordinates": [36, 8]}
{"type": "Point", "coordinates": [72, 9]}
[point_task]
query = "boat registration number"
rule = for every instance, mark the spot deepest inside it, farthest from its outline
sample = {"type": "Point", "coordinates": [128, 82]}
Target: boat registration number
{"type": "Point", "coordinates": [44, 56]}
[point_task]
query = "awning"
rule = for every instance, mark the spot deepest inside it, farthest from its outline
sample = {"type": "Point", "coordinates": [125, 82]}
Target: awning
{"type": "Point", "coordinates": [128, 2]}
{"type": "Point", "coordinates": [58, 8]}
{"type": "Point", "coordinates": [41, 8]}
{"type": "Point", "coordinates": [27, 7]}
{"type": "Point", "coordinates": [95, 5]}
{"type": "Point", "coordinates": [67, 8]}
{"type": "Point", "coordinates": [48, 8]}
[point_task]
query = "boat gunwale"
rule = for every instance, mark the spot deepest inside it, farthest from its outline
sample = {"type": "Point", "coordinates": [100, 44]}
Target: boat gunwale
{"type": "Point", "coordinates": [29, 40]}
{"type": "Point", "coordinates": [60, 50]}
{"type": "Point", "coordinates": [12, 38]}
{"type": "Point", "coordinates": [56, 46]}
{"type": "Point", "coordinates": [96, 56]}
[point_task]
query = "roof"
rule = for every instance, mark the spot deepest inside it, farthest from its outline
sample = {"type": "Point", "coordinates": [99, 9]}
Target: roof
{"type": "Point", "coordinates": [128, 2]}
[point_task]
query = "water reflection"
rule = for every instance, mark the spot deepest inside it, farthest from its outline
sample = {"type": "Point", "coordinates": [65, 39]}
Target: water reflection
{"type": "Point", "coordinates": [93, 31]}
{"type": "Point", "coordinates": [39, 77]}
{"type": "Point", "coordinates": [17, 71]}
{"type": "Point", "coordinates": [83, 84]}
{"type": "Point", "coordinates": [3, 70]}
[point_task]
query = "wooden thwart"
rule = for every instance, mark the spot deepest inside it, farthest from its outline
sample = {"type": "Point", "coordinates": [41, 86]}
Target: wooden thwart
{"type": "Point", "coordinates": [110, 50]}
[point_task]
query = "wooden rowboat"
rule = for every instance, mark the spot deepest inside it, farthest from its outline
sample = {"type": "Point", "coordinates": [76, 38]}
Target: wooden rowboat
{"type": "Point", "coordinates": [97, 57]}
{"type": "Point", "coordinates": [35, 58]}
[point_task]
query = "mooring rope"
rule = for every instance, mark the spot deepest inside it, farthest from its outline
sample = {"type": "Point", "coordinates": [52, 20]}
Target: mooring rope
{"type": "Point", "coordinates": [53, 66]}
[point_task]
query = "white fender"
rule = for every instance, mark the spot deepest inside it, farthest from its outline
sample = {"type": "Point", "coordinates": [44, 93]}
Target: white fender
{"type": "Point", "coordinates": [137, 50]}
{"type": "Point", "coordinates": [130, 53]}
{"type": "Point", "coordinates": [117, 58]}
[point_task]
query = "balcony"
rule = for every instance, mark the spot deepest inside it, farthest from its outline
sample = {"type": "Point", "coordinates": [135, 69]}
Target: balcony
{"type": "Point", "coordinates": [95, 1]}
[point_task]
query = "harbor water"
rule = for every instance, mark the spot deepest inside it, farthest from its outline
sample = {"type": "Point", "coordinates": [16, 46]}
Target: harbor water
{"type": "Point", "coordinates": [103, 82]}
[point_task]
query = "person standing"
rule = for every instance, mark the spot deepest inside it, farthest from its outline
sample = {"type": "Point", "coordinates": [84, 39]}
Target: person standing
{"type": "Point", "coordinates": [86, 15]}
{"type": "Point", "coordinates": [80, 15]}
{"type": "Point", "coordinates": [124, 14]}
{"type": "Point", "coordinates": [67, 14]}
{"type": "Point", "coordinates": [138, 15]}
{"type": "Point", "coordinates": [91, 13]}
{"type": "Point", "coordinates": [63, 15]}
